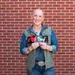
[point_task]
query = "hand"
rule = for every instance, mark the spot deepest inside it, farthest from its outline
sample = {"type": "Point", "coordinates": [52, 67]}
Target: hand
{"type": "Point", "coordinates": [35, 45]}
{"type": "Point", "coordinates": [43, 45]}
{"type": "Point", "coordinates": [32, 47]}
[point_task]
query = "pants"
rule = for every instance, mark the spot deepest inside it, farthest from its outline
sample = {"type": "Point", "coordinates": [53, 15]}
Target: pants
{"type": "Point", "coordinates": [37, 70]}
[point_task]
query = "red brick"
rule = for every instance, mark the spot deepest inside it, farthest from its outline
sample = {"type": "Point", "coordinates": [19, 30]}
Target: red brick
{"type": "Point", "coordinates": [15, 18]}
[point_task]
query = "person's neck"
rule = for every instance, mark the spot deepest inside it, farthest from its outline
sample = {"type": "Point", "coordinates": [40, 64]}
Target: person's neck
{"type": "Point", "coordinates": [37, 28]}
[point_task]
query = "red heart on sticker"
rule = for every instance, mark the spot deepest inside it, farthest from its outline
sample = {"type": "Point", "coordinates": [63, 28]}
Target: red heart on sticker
{"type": "Point", "coordinates": [33, 39]}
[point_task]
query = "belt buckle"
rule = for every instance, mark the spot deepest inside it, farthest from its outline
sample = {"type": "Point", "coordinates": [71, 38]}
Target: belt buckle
{"type": "Point", "coordinates": [41, 63]}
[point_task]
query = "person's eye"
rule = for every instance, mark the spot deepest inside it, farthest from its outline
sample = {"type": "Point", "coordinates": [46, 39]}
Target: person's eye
{"type": "Point", "coordinates": [35, 15]}
{"type": "Point", "coordinates": [40, 16]}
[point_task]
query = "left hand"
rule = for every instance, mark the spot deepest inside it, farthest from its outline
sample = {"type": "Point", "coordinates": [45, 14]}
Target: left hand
{"type": "Point", "coordinates": [43, 45]}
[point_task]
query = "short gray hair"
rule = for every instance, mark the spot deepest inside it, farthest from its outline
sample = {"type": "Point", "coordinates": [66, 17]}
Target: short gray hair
{"type": "Point", "coordinates": [39, 10]}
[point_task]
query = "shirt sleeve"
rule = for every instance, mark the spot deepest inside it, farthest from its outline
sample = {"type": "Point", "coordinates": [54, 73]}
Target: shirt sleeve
{"type": "Point", "coordinates": [23, 44]}
{"type": "Point", "coordinates": [54, 42]}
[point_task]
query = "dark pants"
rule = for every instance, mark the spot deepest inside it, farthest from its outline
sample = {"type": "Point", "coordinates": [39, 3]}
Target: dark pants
{"type": "Point", "coordinates": [37, 70]}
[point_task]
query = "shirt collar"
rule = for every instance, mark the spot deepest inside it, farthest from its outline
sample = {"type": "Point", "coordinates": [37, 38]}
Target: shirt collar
{"type": "Point", "coordinates": [30, 29]}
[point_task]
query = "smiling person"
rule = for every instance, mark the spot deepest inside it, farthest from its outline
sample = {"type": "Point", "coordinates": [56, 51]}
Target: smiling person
{"type": "Point", "coordinates": [39, 43]}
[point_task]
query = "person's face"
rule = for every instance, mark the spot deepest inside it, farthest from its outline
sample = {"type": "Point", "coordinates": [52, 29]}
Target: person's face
{"type": "Point", "coordinates": [38, 17]}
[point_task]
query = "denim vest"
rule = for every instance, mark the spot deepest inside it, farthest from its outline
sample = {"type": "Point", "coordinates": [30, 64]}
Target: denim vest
{"type": "Point", "coordinates": [48, 55]}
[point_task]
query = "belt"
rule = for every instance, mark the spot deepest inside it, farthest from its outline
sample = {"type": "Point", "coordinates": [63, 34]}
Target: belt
{"type": "Point", "coordinates": [40, 63]}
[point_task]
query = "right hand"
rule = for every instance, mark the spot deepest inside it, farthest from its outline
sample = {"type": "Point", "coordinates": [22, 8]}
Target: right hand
{"type": "Point", "coordinates": [34, 45]}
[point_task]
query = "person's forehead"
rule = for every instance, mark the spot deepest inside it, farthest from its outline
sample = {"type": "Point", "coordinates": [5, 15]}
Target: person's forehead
{"type": "Point", "coordinates": [38, 11]}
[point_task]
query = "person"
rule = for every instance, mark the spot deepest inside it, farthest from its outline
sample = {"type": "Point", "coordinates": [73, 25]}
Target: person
{"type": "Point", "coordinates": [39, 43]}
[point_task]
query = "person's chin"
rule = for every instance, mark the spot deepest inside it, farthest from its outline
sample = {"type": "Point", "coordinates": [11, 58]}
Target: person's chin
{"type": "Point", "coordinates": [37, 24]}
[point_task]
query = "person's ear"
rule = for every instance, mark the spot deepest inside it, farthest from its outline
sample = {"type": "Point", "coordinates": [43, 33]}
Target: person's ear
{"type": "Point", "coordinates": [42, 19]}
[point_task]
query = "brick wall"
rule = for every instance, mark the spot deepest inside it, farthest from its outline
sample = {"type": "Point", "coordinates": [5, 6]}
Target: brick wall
{"type": "Point", "coordinates": [15, 17]}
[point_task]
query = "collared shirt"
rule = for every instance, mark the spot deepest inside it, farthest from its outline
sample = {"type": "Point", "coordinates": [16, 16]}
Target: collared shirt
{"type": "Point", "coordinates": [39, 51]}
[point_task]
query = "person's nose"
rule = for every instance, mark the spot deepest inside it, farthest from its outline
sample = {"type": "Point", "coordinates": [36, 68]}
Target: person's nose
{"type": "Point", "coordinates": [37, 17]}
